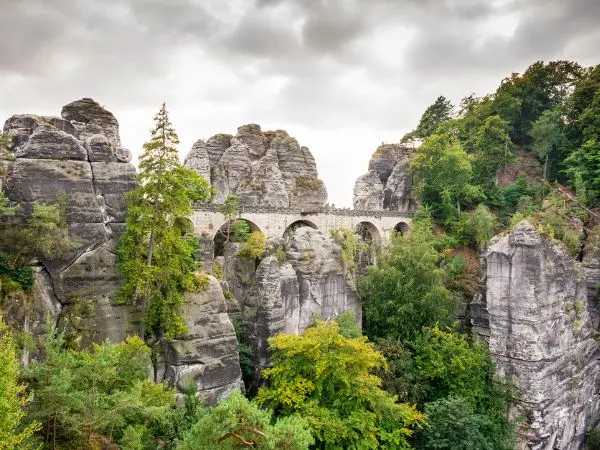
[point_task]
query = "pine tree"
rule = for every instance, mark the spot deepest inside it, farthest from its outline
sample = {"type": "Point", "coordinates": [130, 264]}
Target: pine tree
{"type": "Point", "coordinates": [156, 250]}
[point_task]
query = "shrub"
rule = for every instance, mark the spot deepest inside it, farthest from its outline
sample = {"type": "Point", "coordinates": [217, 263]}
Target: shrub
{"type": "Point", "coordinates": [254, 247]}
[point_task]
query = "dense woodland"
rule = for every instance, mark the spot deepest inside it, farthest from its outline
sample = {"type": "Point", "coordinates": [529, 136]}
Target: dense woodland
{"type": "Point", "coordinates": [413, 377]}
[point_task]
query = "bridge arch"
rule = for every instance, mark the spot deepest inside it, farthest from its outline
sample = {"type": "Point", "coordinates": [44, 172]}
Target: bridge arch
{"type": "Point", "coordinates": [402, 227]}
{"type": "Point", "coordinates": [220, 236]}
{"type": "Point", "coordinates": [289, 230]}
{"type": "Point", "coordinates": [369, 233]}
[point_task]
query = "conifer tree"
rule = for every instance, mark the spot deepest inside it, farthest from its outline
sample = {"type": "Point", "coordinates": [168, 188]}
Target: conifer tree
{"type": "Point", "coordinates": [156, 251]}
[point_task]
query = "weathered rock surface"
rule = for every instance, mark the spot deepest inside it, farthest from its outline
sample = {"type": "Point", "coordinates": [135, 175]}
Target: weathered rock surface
{"type": "Point", "coordinates": [541, 336]}
{"type": "Point", "coordinates": [264, 168]}
{"type": "Point", "coordinates": [388, 183]}
{"type": "Point", "coordinates": [78, 156]}
{"type": "Point", "coordinates": [198, 160]}
{"type": "Point", "coordinates": [287, 296]}
{"type": "Point", "coordinates": [207, 357]}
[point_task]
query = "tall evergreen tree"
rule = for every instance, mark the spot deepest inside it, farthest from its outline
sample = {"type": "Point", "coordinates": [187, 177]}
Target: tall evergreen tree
{"type": "Point", "coordinates": [156, 251]}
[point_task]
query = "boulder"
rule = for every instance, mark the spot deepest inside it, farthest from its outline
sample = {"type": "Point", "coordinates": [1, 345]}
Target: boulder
{"type": "Point", "coordinates": [46, 143]}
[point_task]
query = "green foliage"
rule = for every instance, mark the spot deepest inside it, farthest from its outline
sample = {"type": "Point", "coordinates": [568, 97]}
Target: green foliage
{"type": "Point", "coordinates": [12, 399]}
{"type": "Point", "coordinates": [240, 230]}
{"type": "Point", "coordinates": [549, 140]}
{"type": "Point", "coordinates": [443, 173]}
{"type": "Point", "coordinates": [101, 394]}
{"type": "Point", "coordinates": [593, 440]}
{"type": "Point", "coordinates": [217, 271]}
{"type": "Point", "coordinates": [280, 255]}
{"type": "Point", "coordinates": [255, 247]}
{"type": "Point", "coordinates": [348, 326]}
{"type": "Point", "coordinates": [156, 257]}
{"type": "Point", "coordinates": [351, 245]}
{"type": "Point", "coordinates": [452, 364]}
{"type": "Point", "coordinates": [401, 378]}
{"type": "Point", "coordinates": [405, 291]}
{"type": "Point", "coordinates": [328, 380]}
{"type": "Point", "coordinates": [493, 148]}
{"type": "Point", "coordinates": [482, 224]}
{"type": "Point", "coordinates": [454, 424]}
{"type": "Point", "coordinates": [22, 275]}
{"type": "Point", "coordinates": [231, 207]}
{"type": "Point", "coordinates": [236, 423]}
{"type": "Point", "coordinates": [434, 116]}
{"type": "Point", "coordinates": [245, 351]}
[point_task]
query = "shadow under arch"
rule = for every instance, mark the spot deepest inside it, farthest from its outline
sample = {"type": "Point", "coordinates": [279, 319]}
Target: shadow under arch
{"type": "Point", "coordinates": [291, 228]}
{"type": "Point", "coordinates": [402, 228]}
{"type": "Point", "coordinates": [369, 233]}
{"type": "Point", "coordinates": [220, 236]}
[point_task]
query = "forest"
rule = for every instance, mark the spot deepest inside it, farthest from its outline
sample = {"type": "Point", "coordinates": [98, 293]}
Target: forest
{"type": "Point", "coordinates": [414, 376]}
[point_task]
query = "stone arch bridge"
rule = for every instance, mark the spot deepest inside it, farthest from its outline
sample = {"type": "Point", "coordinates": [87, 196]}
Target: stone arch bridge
{"type": "Point", "coordinates": [277, 222]}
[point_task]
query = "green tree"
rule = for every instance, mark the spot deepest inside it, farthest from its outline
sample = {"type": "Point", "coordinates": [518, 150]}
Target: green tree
{"type": "Point", "coordinates": [155, 251]}
{"type": "Point", "coordinates": [451, 364]}
{"type": "Point", "coordinates": [493, 149]}
{"type": "Point", "coordinates": [255, 247]}
{"type": "Point", "coordinates": [482, 223]}
{"type": "Point", "coordinates": [454, 424]}
{"type": "Point", "coordinates": [12, 399]}
{"type": "Point", "coordinates": [328, 380]}
{"type": "Point", "coordinates": [348, 326]}
{"type": "Point", "coordinates": [584, 163]}
{"type": "Point", "coordinates": [548, 136]}
{"type": "Point", "coordinates": [85, 397]}
{"type": "Point", "coordinates": [236, 423]}
{"type": "Point", "coordinates": [435, 115]}
{"type": "Point", "coordinates": [405, 290]}
{"type": "Point", "coordinates": [230, 208]}
{"type": "Point", "coordinates": [240, 230]}
{"type": "Point", "coordinates": [443, 173]}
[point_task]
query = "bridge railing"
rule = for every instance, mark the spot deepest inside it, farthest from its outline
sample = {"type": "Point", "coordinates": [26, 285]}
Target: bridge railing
{"type": "Point", "coordinates": [329, 210]}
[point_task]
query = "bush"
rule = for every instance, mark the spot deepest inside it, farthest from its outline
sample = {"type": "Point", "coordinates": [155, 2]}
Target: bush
{"type": "Point", "coordinates": [328, 379]}
{"type": "Point", "coordinates": [254, 247]}
{"type": "Point", "coordinates": [236, 423]}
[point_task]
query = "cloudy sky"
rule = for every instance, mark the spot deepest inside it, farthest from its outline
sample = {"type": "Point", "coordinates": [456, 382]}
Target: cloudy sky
{"type": "Point", "coordinates": [341, 76]}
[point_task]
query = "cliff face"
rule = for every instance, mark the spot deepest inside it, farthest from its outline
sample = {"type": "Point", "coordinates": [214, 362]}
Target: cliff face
{"type": "Point", "coordinates": [79, 155]}
{"type": "Point", "coordinates": [541, 335]}
{"type": "Point", "coordinates": [388, 183]}
{"type": "Point", "coordinates": [264, 168]}
{"type": "Point", "coordinates": [289, 293]}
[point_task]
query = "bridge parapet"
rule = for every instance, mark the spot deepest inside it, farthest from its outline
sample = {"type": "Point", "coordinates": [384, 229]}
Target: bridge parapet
{"type": "Point", "coordinates": [349, 212]}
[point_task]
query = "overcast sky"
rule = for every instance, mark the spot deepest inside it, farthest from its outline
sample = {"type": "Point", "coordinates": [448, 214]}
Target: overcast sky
{"type": "Point", "coordinates": [339, 75]}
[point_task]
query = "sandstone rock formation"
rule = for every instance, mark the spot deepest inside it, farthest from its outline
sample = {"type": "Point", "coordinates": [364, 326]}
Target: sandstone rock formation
{"type": "Point", "coordinates": [265, 168]}
{"type": "Point", "coordinates": [287, 296]}
{"type": "Point", "coordinates": [388, 183]}
{"type": "Point", "coordinates": [206, 358]}
{"type": "Point", "coordinates": [78, 155]}
{"type": "Point", "coordinates": [541, 336]}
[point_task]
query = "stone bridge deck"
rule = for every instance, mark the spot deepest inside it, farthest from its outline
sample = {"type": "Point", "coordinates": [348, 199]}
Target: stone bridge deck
{"type": "Point", "coordinates": [275, 222]}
